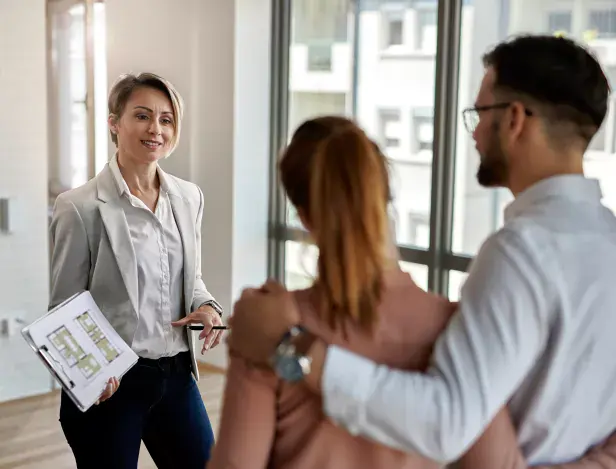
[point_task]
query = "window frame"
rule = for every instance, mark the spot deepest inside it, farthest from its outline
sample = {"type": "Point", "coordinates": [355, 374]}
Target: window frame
{"type": "Point", "coordinates": [439, 257]}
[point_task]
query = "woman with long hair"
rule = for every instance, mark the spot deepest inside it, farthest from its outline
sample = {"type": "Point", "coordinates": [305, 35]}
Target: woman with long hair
{"type": "Point", "coordinates": [338, 181]}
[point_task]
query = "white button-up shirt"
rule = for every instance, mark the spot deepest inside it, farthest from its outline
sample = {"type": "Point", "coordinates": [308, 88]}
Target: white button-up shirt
{"type": "Point", "coordinates": [160, 260]}
{"type": "Point", "coordinates": [536, 329]}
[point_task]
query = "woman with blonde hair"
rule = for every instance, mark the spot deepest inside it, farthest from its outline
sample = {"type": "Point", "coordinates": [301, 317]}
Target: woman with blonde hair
{"type": "Point", "coordinates": [132, 237]}
{"type": "Point", "coordinates": [338, 182]}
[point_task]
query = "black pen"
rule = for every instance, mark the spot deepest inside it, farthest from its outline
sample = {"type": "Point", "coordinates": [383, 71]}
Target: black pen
{"type": "Point", "coordinates": [199, 327]}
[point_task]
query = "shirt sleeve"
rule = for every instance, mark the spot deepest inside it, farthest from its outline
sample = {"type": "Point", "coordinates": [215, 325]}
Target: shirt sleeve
{"type": "Point", "coordinates": [481, 358]}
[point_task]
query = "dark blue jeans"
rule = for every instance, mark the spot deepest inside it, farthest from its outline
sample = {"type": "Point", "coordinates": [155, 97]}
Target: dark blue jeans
{"type": "Point", "coordinates": [158, 402]}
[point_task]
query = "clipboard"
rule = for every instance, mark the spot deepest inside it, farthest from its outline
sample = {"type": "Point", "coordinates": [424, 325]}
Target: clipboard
{"type": "Point", "coordinates": [79, 348]}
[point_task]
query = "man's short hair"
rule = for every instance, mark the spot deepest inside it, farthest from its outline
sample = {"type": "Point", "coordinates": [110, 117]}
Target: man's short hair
{"type": "Point", "coordinates": [556, 73]}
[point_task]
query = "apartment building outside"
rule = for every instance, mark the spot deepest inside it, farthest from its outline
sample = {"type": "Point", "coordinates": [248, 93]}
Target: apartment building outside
{"type": "Point", "coordinates": [375, 59]}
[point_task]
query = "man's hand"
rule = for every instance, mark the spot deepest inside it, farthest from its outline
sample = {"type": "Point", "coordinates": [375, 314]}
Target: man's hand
{"type": "Point", "coordinates": [208, 317]}
{"type": "Point", "coordinates": [260, 319]}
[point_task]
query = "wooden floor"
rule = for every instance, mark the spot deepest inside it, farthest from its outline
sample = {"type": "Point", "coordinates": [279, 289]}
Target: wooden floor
{"type": "Point", "coordinates": [31, 437]}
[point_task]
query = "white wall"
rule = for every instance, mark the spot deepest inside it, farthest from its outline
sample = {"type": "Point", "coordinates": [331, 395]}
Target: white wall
{"type": "Point", "coordinates": [216, 52]}
{"type": "Point", "coordinates": [23, 156]}
{"type": "Point", "coordinates": [23, 169]}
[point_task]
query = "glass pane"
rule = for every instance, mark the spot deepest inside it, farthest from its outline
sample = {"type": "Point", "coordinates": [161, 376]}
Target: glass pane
{"type": "Point", "coordinates": [77, 53]}
{"type": "Point", "coordinates": [395, 102]}
{"type": "Point", "coordinates": [419, 272]}
{"type": "Point", "coordinates": [79, 144]}
{"type": "Point", "coordinates": [300, 264]}
{"type": "Point", "coordinates": [100, 87]}
{"type": "Point", "coordinates": [478, 211]}
{"type": "Point", "coordinates": [68, 158]}
{"type": "Point", "coordinates": [79, 114]}
{"type": "Point", "coordinates": [320, 64]}
{"type": "Point", "coordinates": [456, 280]}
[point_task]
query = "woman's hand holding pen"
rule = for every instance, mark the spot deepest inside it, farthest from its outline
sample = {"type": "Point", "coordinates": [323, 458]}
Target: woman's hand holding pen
{"type": "Point", "coordinates": [209, 318]}
{"type": "Point", "coordinates": [205, 316]}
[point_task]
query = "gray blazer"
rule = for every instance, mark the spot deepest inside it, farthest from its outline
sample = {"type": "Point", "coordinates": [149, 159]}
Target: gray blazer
{"type": "Point", "coordinates": [92, 250]}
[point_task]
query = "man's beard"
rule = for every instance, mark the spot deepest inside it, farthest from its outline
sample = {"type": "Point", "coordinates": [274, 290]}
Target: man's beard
{"type": "Point", "coordinates": [493, 169]}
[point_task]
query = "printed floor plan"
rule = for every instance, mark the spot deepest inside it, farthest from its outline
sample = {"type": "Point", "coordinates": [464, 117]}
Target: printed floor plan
{"type": "Point", "coordinates": [98, 337]}
{"type": "Point", "coordinates": [73, 353]}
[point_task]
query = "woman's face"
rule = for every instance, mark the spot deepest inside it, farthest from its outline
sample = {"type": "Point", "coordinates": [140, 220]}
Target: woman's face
{"type": "Point", "coordinates": [145, 130]}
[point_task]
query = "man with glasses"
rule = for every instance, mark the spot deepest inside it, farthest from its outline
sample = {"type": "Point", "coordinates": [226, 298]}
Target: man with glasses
{"type": "Point", "coordinates": [537, 314]}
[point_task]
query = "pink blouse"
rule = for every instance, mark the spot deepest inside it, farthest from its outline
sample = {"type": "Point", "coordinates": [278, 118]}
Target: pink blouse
{"type": "Point", "coordinates": [268, 423]}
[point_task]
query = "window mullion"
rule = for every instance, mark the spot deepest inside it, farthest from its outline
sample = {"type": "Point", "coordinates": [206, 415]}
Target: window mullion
{"type": "Point", "coordinates": [447, 52]}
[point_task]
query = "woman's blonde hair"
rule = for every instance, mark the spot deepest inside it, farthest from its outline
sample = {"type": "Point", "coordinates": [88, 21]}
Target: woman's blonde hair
{"type": "Point", "coordinates": [124, 87]}
{"type": "Point", "coordinates": [337, 177]}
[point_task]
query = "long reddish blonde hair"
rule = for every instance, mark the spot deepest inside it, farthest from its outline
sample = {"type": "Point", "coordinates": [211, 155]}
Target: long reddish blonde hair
{"type": "Point", "coordinates": [337, 178]}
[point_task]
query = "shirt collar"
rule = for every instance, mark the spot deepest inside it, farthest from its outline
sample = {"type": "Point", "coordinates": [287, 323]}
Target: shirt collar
{"type": "Point", "coordinates": [121, 183]}
{"type": "Point", "coordinates": [572, 187]}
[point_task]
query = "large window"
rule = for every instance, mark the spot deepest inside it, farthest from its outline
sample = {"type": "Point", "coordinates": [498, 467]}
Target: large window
{"type": "Point", "coordinates": [478, 212]}
{"type": "Point", "coordinates": [77, 93]}
{"type": "Point", "coordinates": [407, 93]}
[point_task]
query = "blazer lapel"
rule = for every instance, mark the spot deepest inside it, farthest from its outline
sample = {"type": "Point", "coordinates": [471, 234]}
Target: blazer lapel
{"type": "Point", "coordinates": [186, 226]}
{"type": "Point", "coordinates": [117, 230]}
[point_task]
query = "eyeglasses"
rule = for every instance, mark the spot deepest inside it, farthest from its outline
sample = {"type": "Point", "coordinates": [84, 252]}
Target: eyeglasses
{"type": "Point", "coordinates": [471, 114]}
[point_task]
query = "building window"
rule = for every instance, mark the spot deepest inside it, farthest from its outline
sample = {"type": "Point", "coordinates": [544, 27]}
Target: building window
{"type": "Point", "coordinates": [423, 130]}
{"type": "Point", "coordinates": [426, 30]}
{"type": "Point", "coordinates": [394, 222]}
{"type": "Point", "coordinates": [598, 142]}
{"type": "Point", "coordinates": [395, 32]}
{"type": "Point", "coordinates": [604, 140]}
{"type": "Point", "coordinates": [418, 229]}
{"type": "Point", "coordinates": [393, 27]}
{"type": "Point", "coordinates": [603, 23]}
{"type": "Point", "coordinates": [389, 130]}
{"type": "Point", "coordinates": [559, 22]}
{"type": "Point", "coordinates": [320, 57]}
{"type": "Point", "coordinates": [325, 21]}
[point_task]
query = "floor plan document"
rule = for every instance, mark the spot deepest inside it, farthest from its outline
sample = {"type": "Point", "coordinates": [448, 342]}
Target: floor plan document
{"type": "Point", "coordinates": [80, 348]}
